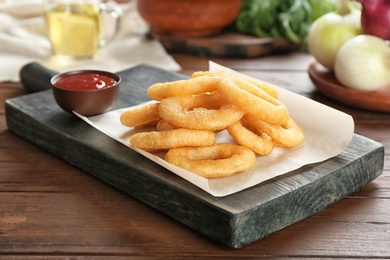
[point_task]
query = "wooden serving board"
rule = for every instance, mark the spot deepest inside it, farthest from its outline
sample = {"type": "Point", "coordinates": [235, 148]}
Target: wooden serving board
{"type": "Point", "coordinates": [225, 44]}
{"type": "Point", "coordinates": [236, 220]}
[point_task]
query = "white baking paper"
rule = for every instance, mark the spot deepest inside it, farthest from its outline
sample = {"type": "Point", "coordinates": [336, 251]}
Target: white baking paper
{"type": "Point", "coordinates": [327, 133]}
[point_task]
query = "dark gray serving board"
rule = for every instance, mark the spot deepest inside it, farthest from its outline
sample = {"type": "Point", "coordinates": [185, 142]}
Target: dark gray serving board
{"type": "Point", "coordinates": [236, 220]}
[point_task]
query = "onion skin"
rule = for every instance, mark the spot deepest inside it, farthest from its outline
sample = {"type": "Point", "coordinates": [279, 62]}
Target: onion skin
{"type": "Point", "coordinates": [363, 63]}
{"type": "Point", "coordinates": [329, 32]}
{"type": "Point", "coordinates": [375, 18]}
{"type": "Point", "coordinates": [329, 37]}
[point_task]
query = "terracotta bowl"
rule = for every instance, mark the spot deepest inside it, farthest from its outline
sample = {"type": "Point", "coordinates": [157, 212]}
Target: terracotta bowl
{"type": "Point", "coordinates": [192, 18]}
{"type": "Point", "coordinates": [85, 101]}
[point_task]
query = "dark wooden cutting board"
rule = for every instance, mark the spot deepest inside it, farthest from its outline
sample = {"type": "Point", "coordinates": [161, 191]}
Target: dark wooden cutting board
{"type": "Point", "coordinates": [225, 44]}
{"type": "Point", "coordinates": [235, 220]}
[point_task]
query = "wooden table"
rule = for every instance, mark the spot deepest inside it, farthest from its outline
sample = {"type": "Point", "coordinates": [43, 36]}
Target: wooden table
{"type": "Point", "coordinates": [51, 210]}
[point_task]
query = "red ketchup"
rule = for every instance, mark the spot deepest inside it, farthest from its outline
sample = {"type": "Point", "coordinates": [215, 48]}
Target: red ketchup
{"type": "Point", "coordinates": [85, 81]}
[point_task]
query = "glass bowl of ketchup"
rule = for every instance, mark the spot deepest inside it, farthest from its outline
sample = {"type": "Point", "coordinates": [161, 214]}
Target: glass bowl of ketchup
{"type": "Point", "coordinates": [87, 92]}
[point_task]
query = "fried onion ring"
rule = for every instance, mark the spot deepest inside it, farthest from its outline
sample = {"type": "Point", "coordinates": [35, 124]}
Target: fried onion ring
{"type": "Point", "coordinates": [159, 91]}
{"type": "Point", "coordinates": [163, 140]}
{"type": "Point", "coordinates": [141, 115]}
{"type": "Point", "coordinates": [268, 88]}
{"type": "Point", "coordinates": [203, 112]}
{"type": "Point", "coordinates": [254, 101]}
{"type": "Point", "coordinates": [188, 113]}
{"type": "Point", "coordinates": [257, 141]}
{"type": "Point", "coordinates": [163, 125]}
{"type": "Point", "coordinates": [287, 135]}
{"type": "Point", "coordinates": [214, 161]}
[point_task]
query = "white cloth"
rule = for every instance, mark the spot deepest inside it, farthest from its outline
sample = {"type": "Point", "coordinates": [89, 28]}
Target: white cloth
{"type": "Point", "coordinates": [23, 40]}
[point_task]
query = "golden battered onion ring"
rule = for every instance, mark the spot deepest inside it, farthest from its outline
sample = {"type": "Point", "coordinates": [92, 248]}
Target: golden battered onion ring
{"type": "Point", "coordinates": [163, 125]}
{"type": "Point", "coordinates": [199, 112]}
{"type": "Point", "coordinates": [268, 88]}
{"type": "Point", "coordinates": [257, 141]}
{"type": "Point", "coordinates": [254, 101]}
{"type": "Point", "coordinates": [141, 115]}
{"type": "Point", "coordinates": [163, 140]}
{"type": "Point", "coordinates": [214, 161]}
{"type": "Point", "coordinates": [159, 91]}
{"type": "Point", "coordinates": [287, 135]}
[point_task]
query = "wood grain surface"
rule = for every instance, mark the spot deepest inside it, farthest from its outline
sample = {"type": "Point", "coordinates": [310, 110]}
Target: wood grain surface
{"type": "Point", "coordinates": [235, 220]}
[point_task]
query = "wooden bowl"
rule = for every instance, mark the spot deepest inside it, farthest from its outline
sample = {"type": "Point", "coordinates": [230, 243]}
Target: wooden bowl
{"type": "Point", "coordinates": [189, 18]}
{"type": "Point", "coordinates": [326, 82]}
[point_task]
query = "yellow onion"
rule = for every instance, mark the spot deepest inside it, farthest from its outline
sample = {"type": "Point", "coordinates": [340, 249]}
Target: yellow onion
{"type": "Point", "coordinates": [330, 31]}
{"type": "Point", "coordinates": [363, 63]}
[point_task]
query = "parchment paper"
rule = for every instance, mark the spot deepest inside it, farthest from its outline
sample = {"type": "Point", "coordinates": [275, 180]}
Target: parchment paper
{"type": "Point", "coordinates": [327, 133]}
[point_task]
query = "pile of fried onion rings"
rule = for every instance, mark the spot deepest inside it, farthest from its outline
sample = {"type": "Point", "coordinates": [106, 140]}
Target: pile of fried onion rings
{"type": "Point", "coordinates": [188, 113]}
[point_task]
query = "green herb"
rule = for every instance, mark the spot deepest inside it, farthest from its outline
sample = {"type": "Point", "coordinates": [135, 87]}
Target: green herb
{"type": "Point", "coordinates": [288, 19]}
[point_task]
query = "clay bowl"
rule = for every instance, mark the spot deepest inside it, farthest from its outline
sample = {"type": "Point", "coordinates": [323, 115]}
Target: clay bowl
{"type": "Point", "coordinates": [87, 92]}
{"type": "Point", "coordinates": [189, 18]}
